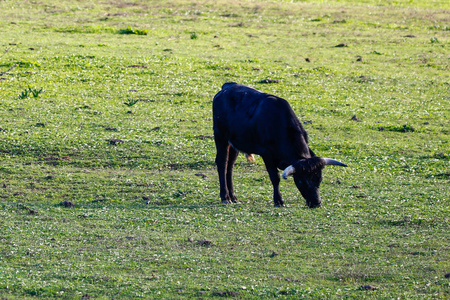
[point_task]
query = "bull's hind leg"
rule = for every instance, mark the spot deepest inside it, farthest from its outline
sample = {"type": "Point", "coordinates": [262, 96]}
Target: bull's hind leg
{"type": "Point", "coordinates": [222, 165]}
{"type": "Point", "coordinates": [232, 156]}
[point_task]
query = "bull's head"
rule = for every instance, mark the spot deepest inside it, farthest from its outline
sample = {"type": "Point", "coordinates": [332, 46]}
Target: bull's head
{"type": "Point", "coordinates": [307, 175]}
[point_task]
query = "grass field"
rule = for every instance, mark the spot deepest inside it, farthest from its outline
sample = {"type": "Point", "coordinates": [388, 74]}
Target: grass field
{"type": "Point", "coordinates": [108, 187]}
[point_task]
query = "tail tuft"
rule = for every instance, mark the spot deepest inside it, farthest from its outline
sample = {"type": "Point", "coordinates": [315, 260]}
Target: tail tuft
{"type": "Point", "coordinates": [250, 158]}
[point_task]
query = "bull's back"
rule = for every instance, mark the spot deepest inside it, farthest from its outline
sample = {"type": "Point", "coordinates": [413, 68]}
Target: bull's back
{"type": "Point", "coordinates": [236, 105]}
{"type": "Point", "coordinates": [248, 118]}
{"type": "Point", "coordinates": [247, 105]}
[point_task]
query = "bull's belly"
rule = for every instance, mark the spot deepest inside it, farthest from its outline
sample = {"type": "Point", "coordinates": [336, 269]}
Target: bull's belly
{"type": "Point", "coordinates": [248, 154]}
{"type": "Point", "coordinates": [242, 147]}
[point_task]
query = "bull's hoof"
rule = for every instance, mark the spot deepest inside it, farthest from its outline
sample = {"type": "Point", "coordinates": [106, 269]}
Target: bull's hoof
{"type": "Point", "coordinates": [314, 205]}
{"type": "Point", "coordinates": [280, 205]}
{"type": "Point", "coordinates": [230, 201]}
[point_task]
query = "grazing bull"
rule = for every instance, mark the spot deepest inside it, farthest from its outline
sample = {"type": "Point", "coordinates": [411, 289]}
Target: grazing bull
{"type": "Point", "coordinates": [247, 120]}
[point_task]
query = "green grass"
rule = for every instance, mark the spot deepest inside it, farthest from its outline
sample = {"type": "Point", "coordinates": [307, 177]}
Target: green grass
{"type": "Point", "coordinates": [121, 127]}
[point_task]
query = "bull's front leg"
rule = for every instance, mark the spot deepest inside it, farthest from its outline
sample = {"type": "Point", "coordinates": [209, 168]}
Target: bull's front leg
{"type": "Point", "coordinates": [275, 179]}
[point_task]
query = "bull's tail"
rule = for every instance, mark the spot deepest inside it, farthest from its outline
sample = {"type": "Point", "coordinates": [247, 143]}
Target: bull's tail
{"type": "Point", "coordinates": [250, 157]}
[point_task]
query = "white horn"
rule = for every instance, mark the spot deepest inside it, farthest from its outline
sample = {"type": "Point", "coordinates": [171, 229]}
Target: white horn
{"type": "Point", "coordinates": [330, 161]}
{"type": "Point", "coordinates": [288, 171]}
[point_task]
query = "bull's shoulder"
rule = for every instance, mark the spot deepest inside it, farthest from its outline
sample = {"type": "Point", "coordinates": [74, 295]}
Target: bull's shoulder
{"type": "Point", "coordinates": [278, 105]}
{"type": "Point", "coordinates": [276, 100]}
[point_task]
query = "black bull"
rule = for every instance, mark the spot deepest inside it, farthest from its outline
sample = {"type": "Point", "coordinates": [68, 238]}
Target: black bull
{"type": "Point", "coordinates": [247, 120]}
